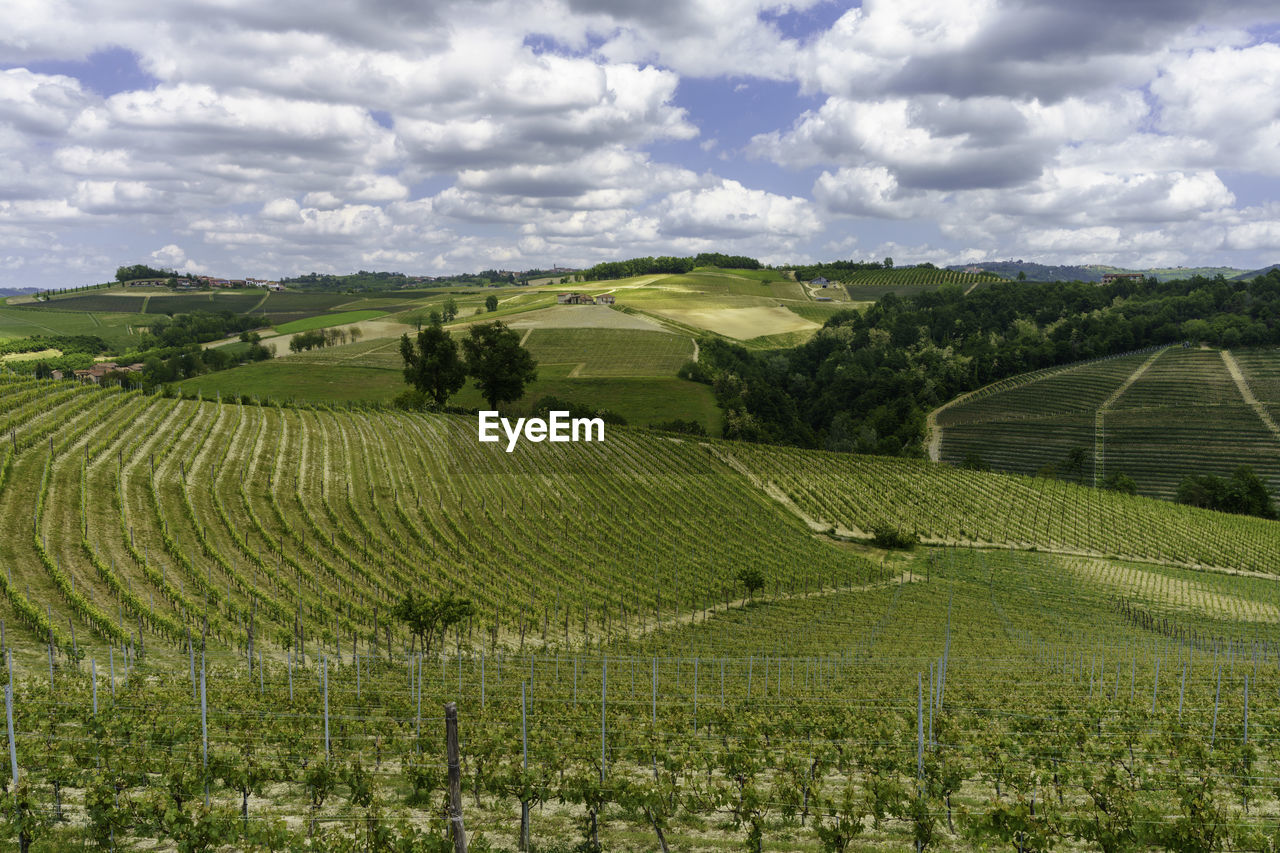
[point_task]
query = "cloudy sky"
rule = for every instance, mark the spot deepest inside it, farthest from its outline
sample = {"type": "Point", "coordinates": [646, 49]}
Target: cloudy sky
{"type": "Point", "coordinates": [243, 137]}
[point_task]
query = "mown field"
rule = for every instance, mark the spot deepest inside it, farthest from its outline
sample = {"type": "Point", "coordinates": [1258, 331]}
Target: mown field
{"type": "Point", "coordinates": [628, 371]}
{"type": "Point", "coordinates": [209, 588]}
{"type": "Point", "coordinates": [1155, 416]}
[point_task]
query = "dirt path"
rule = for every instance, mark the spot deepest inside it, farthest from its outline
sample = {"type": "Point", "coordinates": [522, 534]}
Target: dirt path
{"type": "Point", "coordinates": [773, 491]}
{"type": "Point", "coordinates": [838, 532]}
{"type": "Point", "coordinates": [696, 352]}
{"type": "Point", "coordinates": [692, 617]}
{"type": "Point", "coordinates": [1099, 428]}
{"type": "Point", "coordinates": [1233, 367]}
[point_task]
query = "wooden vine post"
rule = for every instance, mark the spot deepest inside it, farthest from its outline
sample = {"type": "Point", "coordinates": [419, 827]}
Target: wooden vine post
{"type": "Point", "coordinates": [456, 829]}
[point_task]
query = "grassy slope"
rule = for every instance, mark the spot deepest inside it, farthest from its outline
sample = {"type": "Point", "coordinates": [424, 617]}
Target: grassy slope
{"type": "Point", "coordinates": [641, 400]}
{"type": "Point", "coordinates": [116, 328]}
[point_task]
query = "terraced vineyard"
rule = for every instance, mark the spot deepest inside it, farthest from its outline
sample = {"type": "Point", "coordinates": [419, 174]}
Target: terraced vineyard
{"type": "Point", "coordinates": [1155, 416]}
{"type": "Point", "coordinates": [197, 609]}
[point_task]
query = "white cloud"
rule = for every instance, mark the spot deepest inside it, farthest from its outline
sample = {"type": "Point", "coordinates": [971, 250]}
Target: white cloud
{"type": "Point", "coordinates": [42, 104]}
{"type": "Point", "coordinates": [730, 210]}
{"type": "Point", "coordinates": [296, 136]}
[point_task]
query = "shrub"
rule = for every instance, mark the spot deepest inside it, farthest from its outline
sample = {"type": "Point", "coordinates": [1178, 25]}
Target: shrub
{"type": "Point", "coordinates": [681, 426]}
{"type": "Point", "coordinates": [694, 372]}
{"type": "Point", "coordinates": [887, 536]}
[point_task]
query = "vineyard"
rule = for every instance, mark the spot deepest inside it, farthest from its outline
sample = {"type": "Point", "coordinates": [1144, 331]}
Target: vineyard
{"type": "Point", "coordinates": [1154, 416]}
{"type": "Point", "coordinates": [869, 285]}
{"type": "Point", "coordinates": [202, 653]}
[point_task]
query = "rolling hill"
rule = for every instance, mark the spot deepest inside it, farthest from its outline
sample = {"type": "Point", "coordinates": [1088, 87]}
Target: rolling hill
{"type": "Point", "coordinates": [212, 591]}
{"type": "Point", "coordinates": [1155, 416]}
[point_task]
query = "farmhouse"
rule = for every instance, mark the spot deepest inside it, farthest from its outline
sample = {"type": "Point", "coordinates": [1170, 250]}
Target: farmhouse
{"type": "Point", "coordinates": [574, 299]}
{"type": "Point", "coordinates": [606, 299]}
{"type": "Point", "coordinates": [820, 280]}
{"type": "Point", "coordinates": [96, 373]}
{"type": "Point", "coordinates": [1109, 277]}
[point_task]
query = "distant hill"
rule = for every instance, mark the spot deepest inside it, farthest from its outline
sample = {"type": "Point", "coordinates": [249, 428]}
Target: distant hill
{"type": "Point", "coordinates": [6, 292]}
{"type": "Point", "coordinates": [1034, 271]}
{"type": "Point", "coordinates": [1175, 273]}
{"type": "Point", "coordinates": [1245, 276]}
{"type": "Point", "coordinates": [1094, 272]}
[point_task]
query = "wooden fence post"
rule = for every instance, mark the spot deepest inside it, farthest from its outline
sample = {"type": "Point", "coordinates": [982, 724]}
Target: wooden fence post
{"type": "Point", "coordinates": [456, 828]}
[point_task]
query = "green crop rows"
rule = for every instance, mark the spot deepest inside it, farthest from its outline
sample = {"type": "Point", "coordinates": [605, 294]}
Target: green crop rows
{"type": "Point", "coordinates": [858, 698]}
{"type": "Point", "coordinates": [938, 706]}
{"type": "Point", "coordinates": [1154, 416]}
{"type": "Point", "coordinates": [948, 505]}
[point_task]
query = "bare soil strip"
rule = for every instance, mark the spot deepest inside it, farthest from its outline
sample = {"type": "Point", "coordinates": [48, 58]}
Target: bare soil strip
{"type": "Point", "coordinates": [1099, 430]}
{"type": "Point", "coordinates": [1233, 367]}
{"type": "Point", "coordinates": [772, 490]}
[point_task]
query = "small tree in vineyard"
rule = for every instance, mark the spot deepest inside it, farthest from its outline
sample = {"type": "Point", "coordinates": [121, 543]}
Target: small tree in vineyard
{"type": "Point", "coordinates": [429, 618]}
{"type": "Point", "coordinates": [751, 578]}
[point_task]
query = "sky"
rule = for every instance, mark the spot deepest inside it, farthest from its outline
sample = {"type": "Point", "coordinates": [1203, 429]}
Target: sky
{"type": "Point", "coordinates": [264, 139]}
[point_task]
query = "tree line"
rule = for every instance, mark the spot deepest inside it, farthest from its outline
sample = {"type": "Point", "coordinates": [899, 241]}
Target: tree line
{"type": "Point", "coordinates": [667, 265]}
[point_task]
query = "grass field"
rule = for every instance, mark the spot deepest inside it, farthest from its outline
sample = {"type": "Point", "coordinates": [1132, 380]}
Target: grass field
{"type": "Point", "coordinates": [642, 400]}
{"type": "Point", "coordinates": [1155, 416]}
{"type": "Point", "coordinates": [740, 323]}
{"type": "Point", "coordinates": [610, 352]}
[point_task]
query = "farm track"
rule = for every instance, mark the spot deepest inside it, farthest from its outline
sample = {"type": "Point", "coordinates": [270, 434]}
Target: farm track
{"type": "Point", "coordinates": [1099, 428]}
{"type": "Point", "coordinates": [721, 608]}
{"type": "Point", "coordinates": [1233, 367]}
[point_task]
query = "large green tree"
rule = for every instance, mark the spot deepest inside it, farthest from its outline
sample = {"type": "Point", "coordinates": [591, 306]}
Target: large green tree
{"type": "Point", "coordinates": [432, 365]}
{"type": "Point", "coordinates": [500, 366]}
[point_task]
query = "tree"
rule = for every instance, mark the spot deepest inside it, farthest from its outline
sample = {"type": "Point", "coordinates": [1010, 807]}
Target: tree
{"type": "Point", "coordinates": [432, 365]}
{"type": "Point", "coordinates": [1022, 275]}
{"type": "Point", "coordinates": [500, 366]}
{"type": "Point", "coordinates": [428, 617]}
{"type": "Point", "coordinates": [888, 263]}
{"type": "Point", "coordinates": [491, 302]}
{"type": "Point", "coordinates": [1120, 482]}
{"type": "Point", "coordinates": [751, 578]}
{"type": "Point", "coordinates": [1075, 461]}
{"type": "Point", "coordinates": [1243, 493]}
{"type": "Point", "coordinates": [137, 271]}
{"type": "Point", "coordinates": [449, 310]}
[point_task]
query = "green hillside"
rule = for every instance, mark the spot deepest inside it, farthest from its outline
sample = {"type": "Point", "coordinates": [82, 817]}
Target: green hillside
{"type": "Point", "coordinates": [152, 545]}
{"type": "Point", "coordinates": [1156, 416]}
